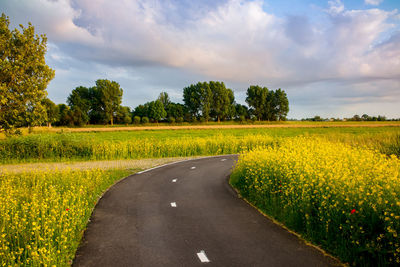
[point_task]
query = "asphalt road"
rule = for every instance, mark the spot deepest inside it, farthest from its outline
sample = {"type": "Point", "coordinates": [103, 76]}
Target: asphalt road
{"type": "Point", "coordinates": [186, 214]}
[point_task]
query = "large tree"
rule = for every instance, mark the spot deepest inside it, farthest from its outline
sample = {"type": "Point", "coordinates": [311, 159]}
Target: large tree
{"type": "Point", "coordinates": [156, 110]}
{"type": "Point", "coordinates": [52, 111]}
{"type": "Point", "coordinates": [124, 115]}
{"type": "Point", "coordinates": [221, 100]}
{"type": "Point", "coordinates": [24, 76]}
{"type": "Point", "coordinates": [256, 98]}
{"type": "Point", "coordinates": [209, 99]}
{"type": "Point", "coordinates": [175, 110]}
{"type": "Point", "coordinates": [80, 101]}
{"type": "Point", "coordinates": [192, 98]}
{"type": "Point", "coordinates": [110, 95]}
{"type": "Point", "coordinates": [164, 98]}
{"type": "Point", "coordinates": [281, 104]}
{"type": "Point", "coordinates": [141, 111]}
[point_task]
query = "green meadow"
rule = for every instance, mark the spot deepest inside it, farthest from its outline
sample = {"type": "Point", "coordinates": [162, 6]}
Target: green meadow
{"type": "Point", "coordinates": [154, 143]}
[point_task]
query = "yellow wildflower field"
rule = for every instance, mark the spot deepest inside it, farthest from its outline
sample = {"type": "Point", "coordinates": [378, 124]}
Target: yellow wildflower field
{"type": "Point", "coordinates": [343, 198]}
{"type": "Point", "coordinates": [43, 214]}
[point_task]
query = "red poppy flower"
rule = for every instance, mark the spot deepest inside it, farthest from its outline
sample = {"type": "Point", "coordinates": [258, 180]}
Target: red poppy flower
{"type": "Point", "coordinates": [67, 209]}
{"type": "Point", "coordinates": [352, 211]}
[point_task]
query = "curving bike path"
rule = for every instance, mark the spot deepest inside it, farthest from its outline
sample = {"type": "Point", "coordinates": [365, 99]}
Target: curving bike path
{"type": "Point", "coordinates": [186, 214]}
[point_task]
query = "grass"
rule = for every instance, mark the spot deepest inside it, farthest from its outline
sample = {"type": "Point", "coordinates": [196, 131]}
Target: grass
{"type": "Point", "coordinates": [79, 146]}
{"type": "Point", "coordinates": [343, 198]}
{"type": "Point", "coordinates": [203, 125]}
{"type": "Point", "coordinates": [129, 165]}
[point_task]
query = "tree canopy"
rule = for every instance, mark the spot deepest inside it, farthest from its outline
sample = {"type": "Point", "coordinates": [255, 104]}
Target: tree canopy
{"type": "Point", "coordinates": [24, 76]}
{"type": "Point", "coordinates": [267, 104]}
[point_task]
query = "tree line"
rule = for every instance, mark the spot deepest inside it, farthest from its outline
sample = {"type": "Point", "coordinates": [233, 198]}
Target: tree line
{"type": "Point", "coordinates": [364, 117]}
{"type": "Point", "coordinates": [203, 102]}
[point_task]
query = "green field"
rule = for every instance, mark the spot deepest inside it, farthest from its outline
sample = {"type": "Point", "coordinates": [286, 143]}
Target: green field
{"type": "Point", "coordinates": [83, 146]}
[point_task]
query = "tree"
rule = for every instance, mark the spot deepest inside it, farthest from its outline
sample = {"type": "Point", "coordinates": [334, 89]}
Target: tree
{"type": "Point", "coordinates": [270, 106]}
{"type": "Point", "coordinates": [281, 106]}
{"type": "Point", "coordinates": [124, 115]}
{"type": "Point", "coordinates": [24, 76]}
{"type": "Point", "coordinates": [156, 110]}
{"type": "Point", "coordinates": [52, 111]}
{"type": "Point", "coordinates": [164, 98]}
{"type": "Point", "coordinates": [192, 99]}
{"type": "Point", "coordinates": [136, 119]}
{"type": "Point", "coordinates": [140, 111]}
{"type": "Point", "coordinates": [365, 117]}
{"type": "Point", "coordinates": [96, 113]}
{"type": "Point", "coordinates": [205, 99]}
{"type": "Point", "coordinates": [65, 115]}
{"type": "Point", "coordinates": [110, 98]}
{"type": "Point", "coordinates": [241, 110]}
{"type": "Point", "coordinates": [175, 110]}
{"type": "Point", "coordinates": [256, 98]}
{"type": "Point", "coordinates": [356, 118]}
{"type": "Point", "coordinates": [80, 101]}
{"type": "Point", "coordinates": [221, 99]}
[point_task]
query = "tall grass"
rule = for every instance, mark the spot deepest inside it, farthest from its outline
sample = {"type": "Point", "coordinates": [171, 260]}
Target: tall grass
{"type": "Point", "coordinates": [43, 214]}
{"type": "Point", "coordinates": [178, 143]}
{"type": "Point", "coordinates": [66, 147]}
{"type": "Point", "coordinates": [344, 198]}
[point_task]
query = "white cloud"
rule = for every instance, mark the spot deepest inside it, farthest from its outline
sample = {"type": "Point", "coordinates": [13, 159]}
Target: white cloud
{"type": "Point", "coordinates": [373, 2]}
{"type": "Point", "coordinates": [335, 7]}
{"type": "Point", "coordinates": [236, 41]}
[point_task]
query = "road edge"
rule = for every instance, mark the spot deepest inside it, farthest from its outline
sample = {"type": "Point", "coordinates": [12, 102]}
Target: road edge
{"type": "Point", "coordinates": [281, 225]}
{"type": "Point", "coordinates": [123, 178]}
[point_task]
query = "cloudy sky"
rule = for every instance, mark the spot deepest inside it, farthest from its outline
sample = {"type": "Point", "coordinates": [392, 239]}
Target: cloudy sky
{"type": "Point", "coordinates": [333, 58]}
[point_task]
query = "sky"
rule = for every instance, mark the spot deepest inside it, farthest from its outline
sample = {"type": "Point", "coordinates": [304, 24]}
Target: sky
{"type": "Point", "coordinates": [333, 58]}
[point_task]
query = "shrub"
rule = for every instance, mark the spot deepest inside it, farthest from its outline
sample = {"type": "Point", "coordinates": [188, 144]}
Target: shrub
{"type": "Point", "coordinates": [171, 120]}
{"type": "Point", "coordinates": [136, 120]}
{"type": "Point", "coordinates": [145, 120]}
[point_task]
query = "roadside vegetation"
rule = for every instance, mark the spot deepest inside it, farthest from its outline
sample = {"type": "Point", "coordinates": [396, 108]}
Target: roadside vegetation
{"type": "Point", "coordinates": [344, 198]}
{"type": "Point", "coordinates": [64, 147]}
{"type": "Point", "coordinates": [43, 214]}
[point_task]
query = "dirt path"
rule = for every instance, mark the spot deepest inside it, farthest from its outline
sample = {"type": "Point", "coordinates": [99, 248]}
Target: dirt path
{"type": "Point", "coordinates": [234, 126]}
{"type": "Point", "coordinates": [106, 164]}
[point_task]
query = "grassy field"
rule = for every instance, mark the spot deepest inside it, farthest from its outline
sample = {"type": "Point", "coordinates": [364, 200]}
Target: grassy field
{"type": "Point", "coordinates": [60, 174]}
{"type": "Point", "coordinates": [343, 198]}
{"type": "Point", "coordinates": [81, 146]}
{"type": "Point", "coordinates": [209, 125]}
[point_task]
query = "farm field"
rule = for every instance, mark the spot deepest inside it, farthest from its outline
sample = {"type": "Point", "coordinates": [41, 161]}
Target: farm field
{"type": "Point", "coordinates": [210, 125]}
{"type": "Point", "coordinates": [343, 198]}
{"type": "Point", "coordinates": [81, 165]}
{"type": "Point", "coordinates": [82, 146]}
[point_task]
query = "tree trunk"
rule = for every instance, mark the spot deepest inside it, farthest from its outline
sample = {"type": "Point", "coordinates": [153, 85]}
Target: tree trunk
{"type": "Point", "coordinates": [112, 121]}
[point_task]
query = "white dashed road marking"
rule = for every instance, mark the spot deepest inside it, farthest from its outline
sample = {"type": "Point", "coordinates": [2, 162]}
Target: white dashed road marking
{"type": "Point", "coordinates": [202, 256]}
{"type": "Point", "coordinates": [173, 204]}
{"type": "Point", "coordinates": [193, 168]}
{"type": "Point", "coordinates": [174, 180]}
{"type": "Point", "coordinates": [223, 159]}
